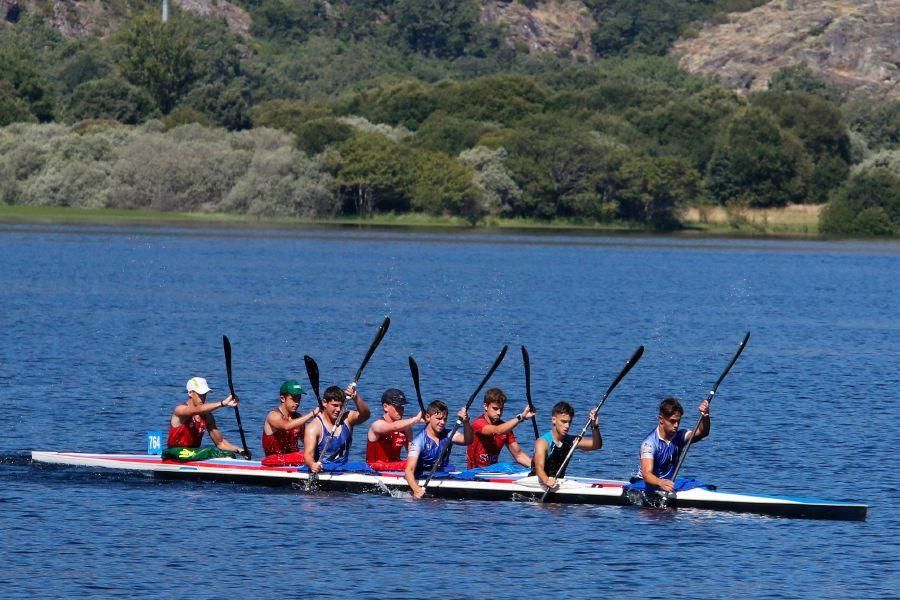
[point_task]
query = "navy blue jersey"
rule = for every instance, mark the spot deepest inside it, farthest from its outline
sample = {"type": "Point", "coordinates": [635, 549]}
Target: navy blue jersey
{"type": "Point", "coordinates": [338, 450]}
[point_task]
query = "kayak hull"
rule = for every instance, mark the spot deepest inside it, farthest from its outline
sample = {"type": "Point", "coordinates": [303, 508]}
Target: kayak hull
{"type": "Point", "coordinates": [500, 486]}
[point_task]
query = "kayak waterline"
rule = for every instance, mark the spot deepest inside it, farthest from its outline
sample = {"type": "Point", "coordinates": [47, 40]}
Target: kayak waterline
{"type": "Point", "coordinates": [485, 485]}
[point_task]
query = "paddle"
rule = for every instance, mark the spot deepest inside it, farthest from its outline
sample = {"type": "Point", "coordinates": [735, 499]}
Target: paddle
{"type": "Point", "coordinates": [527, 361]}
{"type": "Point", "coordinates": [237, 413]}
{"type": "Point", "coordinates": [709, 398]}
{"type": "Point", "coordinates": [445, 453]}
{"type": "Point", "coordinates": [312, 371]}
{"type": "Point", "coordinates": [414, 370]}
{"type": "Point", "coordinates": [628, 365]}
{"type": "Point", "coordinates": [379, 335]}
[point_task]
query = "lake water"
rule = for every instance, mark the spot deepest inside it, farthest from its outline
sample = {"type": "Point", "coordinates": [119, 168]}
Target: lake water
{"type": "Point", "coordinates": [102, 326]}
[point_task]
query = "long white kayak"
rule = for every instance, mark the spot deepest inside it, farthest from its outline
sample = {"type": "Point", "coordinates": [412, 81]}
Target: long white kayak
{"type": "Point", "coordinates": [486, 486]}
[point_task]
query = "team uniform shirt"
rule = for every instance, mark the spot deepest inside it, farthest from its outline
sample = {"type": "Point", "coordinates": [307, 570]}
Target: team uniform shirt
{"type": "Point", "coordinates": [664, 454]}
{"type": "Point", "coordinates": [556, 454]}
{"type": "Point", "coordinates": [429, 451]}
{"type": "Point", "coordinates": [188, 434]}
{"type": "Point", "coordinates": [485, 449]}
{"type": "Point", "coordinates": [338, 450]}
{"type": "Point", "coordinates": [283, 441]}
{"type": "Point", "coordinates": [387, 448]}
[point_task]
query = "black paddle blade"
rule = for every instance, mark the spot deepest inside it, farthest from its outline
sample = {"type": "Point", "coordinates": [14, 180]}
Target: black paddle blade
{"type": "Point", "coordinates": [414, 371]}
{"type": "Point", "coordinates": [312, 371]}
{"type": "Point", "coordinates": [226, 345]}
{"type": "Point", "coordinates": [379, 335]}
{"type": "Point", "coordinates": [730, 364]}
{"type": "Point", "coordinates": [526, 360]}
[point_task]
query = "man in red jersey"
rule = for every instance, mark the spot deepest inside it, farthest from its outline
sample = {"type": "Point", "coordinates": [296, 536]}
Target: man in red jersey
{"type": "Point", "coordinates": [391, 433]}
{"type": "Point", "coordinates": [191, 419]}
{"type": "Point", "coordinates": [492, 433]}
{"type": "Point", "coordinates": [283, 425]}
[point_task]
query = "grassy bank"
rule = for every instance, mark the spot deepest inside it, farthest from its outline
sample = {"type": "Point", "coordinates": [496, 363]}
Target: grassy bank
{"type": "Point", "coordinates": [708, 220]}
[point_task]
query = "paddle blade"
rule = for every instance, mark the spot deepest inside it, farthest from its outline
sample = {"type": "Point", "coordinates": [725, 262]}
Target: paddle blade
{"type": "Point", "coordinates": [526, 361]}
{"type": "Point", "coordinates": [414, 371]}
{"type": "Point", "coordinates": [379, 335]}
{"type": "Point", "coordinates": [226, 346]}
{"type": "Point", "coordinates": [312, 371]}
{"type": "Point", "coordinates": [728, 368]}
{"type": "Point", "coordinates": [629, 364]}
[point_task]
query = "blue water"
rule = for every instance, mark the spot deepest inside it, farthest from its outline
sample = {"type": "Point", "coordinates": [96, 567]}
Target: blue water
{"type": "Point", "coordinates": [101, 326]}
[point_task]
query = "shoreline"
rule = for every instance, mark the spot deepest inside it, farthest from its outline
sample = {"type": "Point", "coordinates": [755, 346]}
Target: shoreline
{"type": "Point", "coordinates": [700, 222]}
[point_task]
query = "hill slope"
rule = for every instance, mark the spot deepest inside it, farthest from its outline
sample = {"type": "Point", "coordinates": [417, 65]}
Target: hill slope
{"type": "Point", "coordinates": [854, 44]}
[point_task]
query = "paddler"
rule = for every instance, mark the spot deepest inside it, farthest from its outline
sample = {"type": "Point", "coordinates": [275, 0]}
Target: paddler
{"type": "Point", "coordinates": [390, 435]}
{"type": "Point", "coordinates": [284, 427]}
{"type": "Point", "coordinates": [428, 445]}
{"type": "Point", "coordinates": [551, 449]}
{"type": "Point", "coordinates": [191, 419]}
{"type": "Point", "coordinates": [492, 433]}
{"type": "Point", "coordinates": [318, 431]}
{"type": "Point", "coordinates": [662, 448]}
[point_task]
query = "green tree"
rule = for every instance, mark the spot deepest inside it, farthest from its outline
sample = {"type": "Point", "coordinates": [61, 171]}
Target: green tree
{"type": "Point", "coordinates": [111, 98]}
{"type": "Point", "coordinates": [656, 188]}
{"type": "Point", "coordinates": [444, 186]}
{"type": "Point", "coordinates": [440, 28]}
{"type": "Point", "coordinates": [867, 204]}
{"type": "Point", "coordinates": [801, 78]}
{"type": "Point", "coordinates": [13, 107]}
{"type": "Point", "coordinates": [21, 72]}
{"type": "Point", "coordinates": [819, 125]}
{"type": "Point", "coordinates": [373, 173]}
{"type": "Point", "coordinates": [757, 164]}
{"type": "Point", "coordinates": [161, 58]}
{"type": "Point", "coordinates": [448, 134]}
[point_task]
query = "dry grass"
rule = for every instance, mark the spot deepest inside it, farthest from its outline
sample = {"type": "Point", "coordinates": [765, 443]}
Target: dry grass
{"type": "Point", "coordinates": [798, 218]}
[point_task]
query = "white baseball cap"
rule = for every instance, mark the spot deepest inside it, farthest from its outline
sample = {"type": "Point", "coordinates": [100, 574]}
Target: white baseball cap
{"type": "Point", "coordinates": [197, 384]}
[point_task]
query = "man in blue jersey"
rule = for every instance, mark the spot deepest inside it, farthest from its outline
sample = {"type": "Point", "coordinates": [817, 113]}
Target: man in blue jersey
{"type": "Point", "coordinates": [318, 432]}
{"type": "Point", "coordinates": [662, 448]}
{"type": "Point", "coordinates": [428, 446]}
{"type": "Point", "coordinates": [552, 448]}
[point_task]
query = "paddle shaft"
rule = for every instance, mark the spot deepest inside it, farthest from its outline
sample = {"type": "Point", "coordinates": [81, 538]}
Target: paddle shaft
{"type": "Point", "coordinates": [709, 398]}
{"type": "Point", "coordinates": [414, 371]}
{"type": "Point", "coordinates": [526, 360]}
{"type": "Point", "coordinates": [237, 413]}
{"type": "Point", "coordinates": [379, 335]}
{"type": "Point", "coordinates": [628, 366]}
{"type": "Point", "coordinates": [445, 453]}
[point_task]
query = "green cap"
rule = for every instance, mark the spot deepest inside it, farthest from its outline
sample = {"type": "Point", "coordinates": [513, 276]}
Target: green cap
{"type": "Point", "coordinates": [291, 387]}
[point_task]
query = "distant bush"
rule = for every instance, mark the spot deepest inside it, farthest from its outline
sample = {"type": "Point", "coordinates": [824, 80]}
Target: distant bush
{"type": "Point", "coordinates": [867, 204]}
{"type": "Point", "coordinates": [188, 168]}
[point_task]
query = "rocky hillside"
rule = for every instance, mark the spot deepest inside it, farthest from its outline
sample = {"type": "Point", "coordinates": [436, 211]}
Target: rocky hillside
{"type": "Point", "coordinates": [854, 44]}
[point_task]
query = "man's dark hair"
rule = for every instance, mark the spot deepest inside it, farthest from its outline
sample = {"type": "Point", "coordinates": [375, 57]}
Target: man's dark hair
{"type": "Point", "coordinates": [563, 408]}
{"type": "Point", "coordinates": [334, 393]}
{"type": "Point", "coordinates": [670, 406]}
{"type": "Point", "coordinates": [437, 407]}
{"type": "Point", "coordinates": [494, 395]}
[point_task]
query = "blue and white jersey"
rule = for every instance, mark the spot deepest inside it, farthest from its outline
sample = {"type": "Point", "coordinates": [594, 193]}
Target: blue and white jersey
{"type": "Point", "coordinates": [429, 451]}
{"type": "Point", "coordinates": [664, 454]}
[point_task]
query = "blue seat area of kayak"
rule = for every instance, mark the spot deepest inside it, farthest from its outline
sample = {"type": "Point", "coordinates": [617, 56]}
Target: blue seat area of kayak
{"type": "Point", "coordinates": [501, 468]}
{"type": "Point", "coordinates": [350, 467]}
{"type": "Point", "coordinates": [681, 485]}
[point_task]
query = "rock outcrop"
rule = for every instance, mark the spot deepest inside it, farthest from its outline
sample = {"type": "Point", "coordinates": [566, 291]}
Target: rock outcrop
{"type": "Point", "coordinates": [562, 27]}
{"type": "Point", "coordinates": [854, 44]}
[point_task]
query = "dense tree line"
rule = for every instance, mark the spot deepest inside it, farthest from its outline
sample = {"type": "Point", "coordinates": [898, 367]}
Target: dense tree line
{"type": "Point", "coordinates": [403, 105]}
